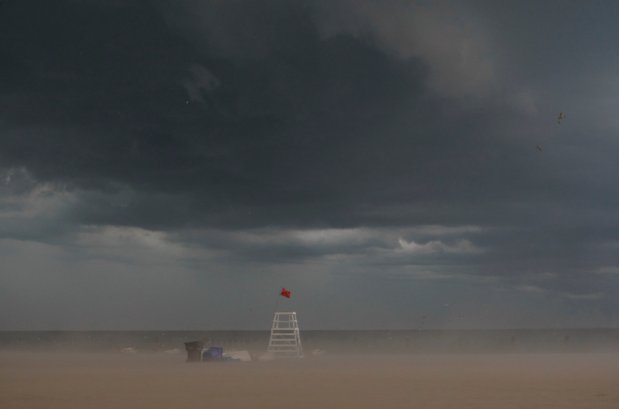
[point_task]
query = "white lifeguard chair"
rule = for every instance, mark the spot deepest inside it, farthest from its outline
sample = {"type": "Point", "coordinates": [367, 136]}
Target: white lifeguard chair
{"type": "Point", "coordinates": [285, 338]}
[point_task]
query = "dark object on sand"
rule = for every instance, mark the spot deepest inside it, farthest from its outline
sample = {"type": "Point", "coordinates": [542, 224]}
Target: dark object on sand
{"type": "Point", "coordinates": [194, 351]}
{"type": "Point", "coordinates": [213, 354]}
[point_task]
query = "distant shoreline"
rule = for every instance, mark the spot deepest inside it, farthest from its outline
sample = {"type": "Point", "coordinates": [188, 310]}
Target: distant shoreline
{"type": "Point", "coordinates": [569, 340]}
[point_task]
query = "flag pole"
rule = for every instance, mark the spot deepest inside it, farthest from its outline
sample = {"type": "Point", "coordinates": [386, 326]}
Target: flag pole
{"type": "Point", "coordinates": [276, 304]}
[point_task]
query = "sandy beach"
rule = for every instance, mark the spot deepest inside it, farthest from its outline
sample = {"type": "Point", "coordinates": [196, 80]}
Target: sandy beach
{"type": "Point", "coordinates": [79, 380]}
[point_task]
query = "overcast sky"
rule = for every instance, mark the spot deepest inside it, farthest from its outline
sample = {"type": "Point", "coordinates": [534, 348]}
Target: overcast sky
{"type": "Point", "coordinates": [396, 164]}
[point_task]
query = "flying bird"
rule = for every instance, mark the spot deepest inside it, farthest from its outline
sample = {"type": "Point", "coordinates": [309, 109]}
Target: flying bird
{"type": "Point", "coordinates": [539, 148]}
{"type": "Point", "coordinates": [560, 118]}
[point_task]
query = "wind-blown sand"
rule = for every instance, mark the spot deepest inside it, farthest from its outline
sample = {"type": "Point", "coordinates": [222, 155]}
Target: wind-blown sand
{"type": "Point", "coordinates": [84, 381]}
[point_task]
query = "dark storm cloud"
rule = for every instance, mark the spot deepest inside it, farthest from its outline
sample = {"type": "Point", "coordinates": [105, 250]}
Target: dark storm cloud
{"type": "Point", "coordinates": [312, 131]}
{"type": "Point", "coordinates": [97, 97]}
{"type": "Point", "coordinates": [270, 119]}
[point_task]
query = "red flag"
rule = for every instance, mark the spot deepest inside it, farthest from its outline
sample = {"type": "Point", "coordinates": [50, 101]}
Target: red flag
{"type": "Point", "coordinates": [285, 293]}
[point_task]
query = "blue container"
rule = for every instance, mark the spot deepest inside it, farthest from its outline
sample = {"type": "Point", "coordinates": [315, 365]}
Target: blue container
{"type": "Point", "coordinates": [213, 354]}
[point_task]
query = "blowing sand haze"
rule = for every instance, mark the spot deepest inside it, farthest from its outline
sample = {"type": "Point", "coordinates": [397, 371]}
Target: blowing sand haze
{"type": "Point", "coordinates": [160, 381]}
